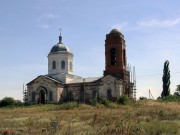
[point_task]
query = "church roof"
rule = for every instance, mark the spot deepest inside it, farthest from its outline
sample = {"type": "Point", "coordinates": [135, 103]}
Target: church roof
{"type": "Point", "coordinates": [53, 79]}
{"type": "Point", "coordinates": [84, 80]}
{"type": "Point", "coordinates": [48, 77]}
{"type": "Point", "coordinates": [115, 31]}
{"type": "Point", "coordinates": [60, 47]}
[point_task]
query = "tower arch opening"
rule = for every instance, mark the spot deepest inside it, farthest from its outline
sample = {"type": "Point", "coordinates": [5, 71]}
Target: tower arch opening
{"type": "Point", "coordinates": [113, 56]}
{"type": "Point", "coordinates": [62, 64]}
{"type": "Point", "coordinates": [54, 65]}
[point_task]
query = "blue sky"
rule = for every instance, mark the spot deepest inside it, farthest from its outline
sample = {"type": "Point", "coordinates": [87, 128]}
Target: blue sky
{"type": "Point", "coordinates": [29, 28]}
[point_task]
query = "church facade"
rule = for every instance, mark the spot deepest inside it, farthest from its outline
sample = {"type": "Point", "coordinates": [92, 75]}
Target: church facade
{"type": "Point", "coordinates": [61, 85]}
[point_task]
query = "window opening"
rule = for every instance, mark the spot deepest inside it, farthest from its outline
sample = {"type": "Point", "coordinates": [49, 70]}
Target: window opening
{"type": "Point", "coordinates": [54, 65]}
{"type": "Point", "coordinates": [113, 56]}
{"type": "Point", "coordinates": [62, 64]}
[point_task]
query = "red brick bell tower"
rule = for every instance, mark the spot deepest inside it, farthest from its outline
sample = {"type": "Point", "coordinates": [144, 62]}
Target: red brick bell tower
{"type": "Point", "coordinates": [115, 55]}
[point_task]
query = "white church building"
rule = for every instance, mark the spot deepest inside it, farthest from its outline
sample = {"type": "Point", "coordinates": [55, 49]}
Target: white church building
{"type": "Point", "coordinates": [61, 85]}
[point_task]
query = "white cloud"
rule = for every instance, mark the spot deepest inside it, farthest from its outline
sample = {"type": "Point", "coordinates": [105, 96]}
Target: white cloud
{"type": "Point", "coordinates": [120, 26]}
{"type": "Point", "coordinates": [46, 20]}
{"type": "Point", "coordinates": [158, 22]}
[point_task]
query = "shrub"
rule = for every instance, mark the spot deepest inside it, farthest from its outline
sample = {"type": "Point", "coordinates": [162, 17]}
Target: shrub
{"type": "Point", "coordinates": [7, 101]}
{"type": "Point", "coordinates": [122, 100]}
{"type": "Point", "coordinates": [171, 98]}
{"type": "Point", "coordinates": [18, 103]}
{"type": "Point", "coordinates": [177, 93]}
{"type": "Point", "coordinates": [105, 101]}
{"type": "Point", "coordinates": [142, 98]}
{"type": "Point", "coordinates": [159, 98]}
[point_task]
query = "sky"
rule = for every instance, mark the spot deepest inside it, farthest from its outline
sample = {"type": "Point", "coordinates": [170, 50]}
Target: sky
{"type": "Point", "coordinates": [29, 29]}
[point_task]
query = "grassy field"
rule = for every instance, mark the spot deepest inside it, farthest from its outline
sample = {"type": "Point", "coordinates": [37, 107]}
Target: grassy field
{"type": "Point", "coordinates": [140, 118]}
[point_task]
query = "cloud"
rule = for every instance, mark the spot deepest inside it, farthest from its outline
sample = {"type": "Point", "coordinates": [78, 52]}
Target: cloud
{"type": "Point", "coordinates": [120, 26]}
{"type": "Point", "coordinates": [46, 20]}
{"type": "Point", "coordinates": [147, 23]}
{"type": "Point", "coordinates": [158, 22]}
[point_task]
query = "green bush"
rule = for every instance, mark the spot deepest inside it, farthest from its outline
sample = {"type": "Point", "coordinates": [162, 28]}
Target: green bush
{"type": "Point", "coordinates": [159, 98]}
{"type": "Point", "coordinates": [7, 101]}
{"type": "Point", "coordinates": [171, 98]}
{"type": "Point", "coordinates": [18, 103]}
{"type": "Point", "coordinates": [122, 100]}
{"type": "Point", "coordinates": [105, 101]}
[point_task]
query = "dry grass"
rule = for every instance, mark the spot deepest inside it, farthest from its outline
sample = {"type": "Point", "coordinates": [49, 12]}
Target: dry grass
{"type": "Point", "coordinates": [141, 118]}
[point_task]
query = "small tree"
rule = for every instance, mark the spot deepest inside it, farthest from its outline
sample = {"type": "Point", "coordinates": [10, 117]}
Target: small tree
{"type": "Point", "coordinates": [166, 80]}
{"type": "Point", "coordinates": [177, 92]}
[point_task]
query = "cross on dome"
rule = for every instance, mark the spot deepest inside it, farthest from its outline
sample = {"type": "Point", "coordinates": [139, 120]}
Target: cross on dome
{"type": "Point", "coordinates": [60, 37]}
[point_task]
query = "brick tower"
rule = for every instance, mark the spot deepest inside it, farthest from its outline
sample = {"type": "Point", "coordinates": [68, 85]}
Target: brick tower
{"type": "Point", "coordinates": [115, 56]}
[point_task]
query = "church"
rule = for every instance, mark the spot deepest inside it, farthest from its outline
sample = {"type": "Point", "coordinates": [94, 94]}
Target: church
{"type": "Point", "coordinates": [61, 85]}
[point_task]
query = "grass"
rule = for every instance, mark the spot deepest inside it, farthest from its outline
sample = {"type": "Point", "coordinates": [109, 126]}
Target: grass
{"type": "Point", "coordinates": [140, 118]}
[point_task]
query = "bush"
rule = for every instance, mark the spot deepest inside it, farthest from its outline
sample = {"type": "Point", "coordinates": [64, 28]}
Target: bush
{"type": "Point", "coordinates": [122, 100]}
{"type": "Point", "coordinates": [159, 98]}
{"type": "Point", "coordinates": [142, 98]}
{"type": "Point", "coordinates": [171, 98]}
{"type": "Point", "coordinates": [7, 101]}
{"type": "Point", "coordinates": [177, 93]}
{"type": "Point", "coordinates": [18, 103]}
{"type": "Point", "coordinates": [105, 101]}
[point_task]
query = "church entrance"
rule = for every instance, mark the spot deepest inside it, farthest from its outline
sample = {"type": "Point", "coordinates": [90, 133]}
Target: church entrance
{"type": "Point", "coordinates": [41, 97]}
{"type": "Point", "coordinates": [42, 93]}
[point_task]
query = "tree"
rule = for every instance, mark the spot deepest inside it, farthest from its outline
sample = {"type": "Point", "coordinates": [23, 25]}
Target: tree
{"type": "Point", "coordinates": [166, 80]}
{"type": "Point", "coordinates": [177, 92]}
{"type": "Point", "coordinates": [7, 101]}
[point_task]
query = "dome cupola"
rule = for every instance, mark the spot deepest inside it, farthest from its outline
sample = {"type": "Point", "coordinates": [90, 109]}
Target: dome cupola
{"type": "Point", "coordinates": [115, 31]}
{"type": "Point", "coordinates": [60, 47]}
{"type": "Point", "coordinates": [60, 62]}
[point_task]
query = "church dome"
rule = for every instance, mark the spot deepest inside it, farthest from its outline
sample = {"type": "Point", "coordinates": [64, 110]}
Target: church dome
{"type": "Point", "coordinates": [115, 31]}
{"type": "Point", "coordinates": [60, 47]}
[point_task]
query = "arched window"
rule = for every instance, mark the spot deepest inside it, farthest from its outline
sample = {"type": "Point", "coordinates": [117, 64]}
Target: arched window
{"type": "Point", "coordinates": [124, 56]}
{"type": "Point", "coordinates": [53, 65]}
{"type": "Point", "coordinates": [109, 94]}
{"type": "Point", "coordinates": [62, 64]}
{"type": "Point", "coordinates": [113, 56]}
{"type": "Point", "coordinates": [94, 94]}
{"type": "Point", "coordinates": [33, 96]}
{"type": "Point", "coordinates": [70, 65]}
{"type": "Point", "coordinates": [82, 95]}
{"type": "Point", "coordinates": [50, 95]}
